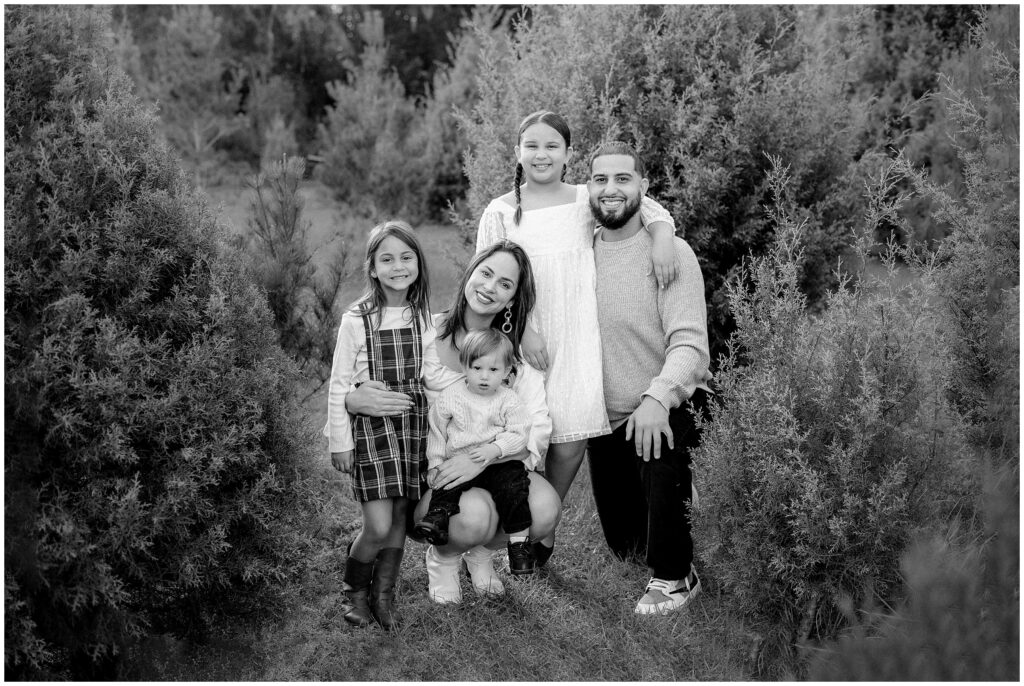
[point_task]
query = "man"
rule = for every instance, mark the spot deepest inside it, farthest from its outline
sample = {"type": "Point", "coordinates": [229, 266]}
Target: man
{"type": "Point", "coordinates": [655, 365]}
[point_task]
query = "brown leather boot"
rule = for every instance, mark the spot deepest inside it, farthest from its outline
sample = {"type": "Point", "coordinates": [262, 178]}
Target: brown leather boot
{"type": "Point", "coordinates": [382, 590]}
{"type": "Point", "coordinates": [358, 576]}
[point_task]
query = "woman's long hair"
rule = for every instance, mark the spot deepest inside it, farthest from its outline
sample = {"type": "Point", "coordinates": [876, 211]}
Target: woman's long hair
{"type": "Point", "coordinates": [522, 302]}
{"type": "Point", "coordinates": [373, 301]}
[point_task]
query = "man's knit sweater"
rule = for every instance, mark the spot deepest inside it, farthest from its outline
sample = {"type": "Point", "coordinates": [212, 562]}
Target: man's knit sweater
{"type": "Point", "coordinates": [653, 341]}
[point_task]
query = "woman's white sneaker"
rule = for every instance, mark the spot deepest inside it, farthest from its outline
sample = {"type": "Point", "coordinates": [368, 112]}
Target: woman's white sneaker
{"type": "Point", "coordinates": [663, 596]}
{"type": "Point", "coordinates": [480, 565]}
{"type": "Point", "coordinates": [443, 577]}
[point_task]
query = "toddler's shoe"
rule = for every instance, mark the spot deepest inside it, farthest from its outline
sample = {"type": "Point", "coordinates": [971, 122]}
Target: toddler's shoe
{"type": "Point", "coordinates": [433, 527]}
{"type": "Point", "coordinates": [480, 565]}
{"type": "Point", "coordinates": [663, 596]}
{"type": "Point", "coordinates": [520, 558]}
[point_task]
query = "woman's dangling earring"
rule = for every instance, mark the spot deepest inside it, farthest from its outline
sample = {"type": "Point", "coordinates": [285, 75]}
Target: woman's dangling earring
{"type": "Point", "coordinates": [506, 328]}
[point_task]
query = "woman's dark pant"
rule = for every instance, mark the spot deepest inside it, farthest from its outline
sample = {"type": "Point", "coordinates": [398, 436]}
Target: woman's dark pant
{"type": "Point", "coordinates": [508, 485]}
{"type": "Point", "coordinates": [643, 505]}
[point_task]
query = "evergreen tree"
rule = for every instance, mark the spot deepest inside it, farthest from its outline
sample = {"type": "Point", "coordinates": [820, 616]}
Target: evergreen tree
{"type": "Point", "coordinates": [153, 444]}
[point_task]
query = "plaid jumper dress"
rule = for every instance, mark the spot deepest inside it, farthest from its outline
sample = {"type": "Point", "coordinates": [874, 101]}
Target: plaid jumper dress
{"type": "Point", "coordinates": [390, 452]}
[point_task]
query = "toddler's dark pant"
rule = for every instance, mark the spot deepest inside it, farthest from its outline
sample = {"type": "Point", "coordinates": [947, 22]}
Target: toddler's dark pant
{"type": "Point", "coordinates": [643, 505]}
{"type": "Point", "coordinates": [508, 485]}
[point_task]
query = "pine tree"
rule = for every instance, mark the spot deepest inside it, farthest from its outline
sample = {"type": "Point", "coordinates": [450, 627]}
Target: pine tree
{"type": "Point", "coordinates": [153, 443]}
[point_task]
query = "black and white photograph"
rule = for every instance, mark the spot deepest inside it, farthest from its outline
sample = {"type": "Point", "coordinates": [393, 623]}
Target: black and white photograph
{"type": "Point", "coordinates": [511, 343]}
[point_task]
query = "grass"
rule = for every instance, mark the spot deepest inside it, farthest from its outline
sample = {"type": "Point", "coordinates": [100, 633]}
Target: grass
{"type": "Point", "coordinates": [573, 621]}
{"type": "Point", "coordinates": [329, 219]}
{"type": "Point", "coordinates": [570, 622]}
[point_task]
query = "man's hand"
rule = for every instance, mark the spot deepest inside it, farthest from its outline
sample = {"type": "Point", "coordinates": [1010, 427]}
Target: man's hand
{"type": "Point", "coordinates": [343, 461]}
{"type": "Point", "coordinates": [646, 426]}
{"type": "Point", "coordinates": [534, 351]}
{"type": "Point", "coordinates": [485, 453]}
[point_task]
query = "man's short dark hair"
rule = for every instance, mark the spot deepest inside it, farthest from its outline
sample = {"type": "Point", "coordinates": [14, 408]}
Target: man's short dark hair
{"type": "Point", "coordinates": [619, 148]}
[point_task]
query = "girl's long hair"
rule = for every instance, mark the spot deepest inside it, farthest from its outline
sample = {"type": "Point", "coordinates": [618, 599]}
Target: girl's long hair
{"type": "Point", "coordinates": [373, 301]}
{"type": "Point", "coordinates": [522, 302]}
{"type": "Point", "coordinates": [555, 121]}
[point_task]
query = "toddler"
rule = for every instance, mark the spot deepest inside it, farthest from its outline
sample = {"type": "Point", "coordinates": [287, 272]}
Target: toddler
{"type": "Point", "coordinates": [484, 418]}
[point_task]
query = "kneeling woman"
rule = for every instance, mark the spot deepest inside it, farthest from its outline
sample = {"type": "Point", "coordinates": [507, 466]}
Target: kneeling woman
{"type": "Point", "coordinates": [496, 291]}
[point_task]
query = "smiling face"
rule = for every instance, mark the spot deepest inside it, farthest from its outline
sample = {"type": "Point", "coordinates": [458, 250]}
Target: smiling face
{"type": "Point", "coordinates": [543, 153]}
{"type": "Point", "coordinates": [485, 374]}
{"type": "Point", "coordinates": [615, 190]}
{"type": "Point", "coordinates": [492, 285]}
{"type": "Point", "coordinates": [395, 267]}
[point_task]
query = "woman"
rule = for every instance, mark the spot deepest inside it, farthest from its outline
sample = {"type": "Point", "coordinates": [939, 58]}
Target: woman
{"type": "Point", "coordinates": [496, 291]}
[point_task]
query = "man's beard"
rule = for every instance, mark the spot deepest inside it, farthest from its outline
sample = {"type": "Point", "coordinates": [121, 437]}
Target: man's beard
{"type": "Point", "coordinates": [622, 216]}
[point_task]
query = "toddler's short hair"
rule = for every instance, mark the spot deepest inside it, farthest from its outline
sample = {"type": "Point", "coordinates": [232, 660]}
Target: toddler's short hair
{"type": "Point", "coordinates": [476, 344]}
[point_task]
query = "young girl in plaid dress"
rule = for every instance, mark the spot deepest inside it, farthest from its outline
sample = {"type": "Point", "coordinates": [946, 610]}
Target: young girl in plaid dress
{"type": "Point", "coordinates": [387, 335]}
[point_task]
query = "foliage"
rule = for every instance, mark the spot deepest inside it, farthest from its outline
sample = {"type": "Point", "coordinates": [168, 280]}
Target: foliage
{"type": "Point", "coordinates": [909, 49]}
{"type": "Point", "coordinates": [831, 443]}
{"type": "Point", "coordinates": [196, 89]}
{"type": "Point", "coordinates": [962, 617]}
{"type": "Point", "coordinates": [979, 277]}
{"type": "Point", "coordinates": [301, 301]}
{"type": "Point", "coordinates": [372, 137]}
{"type": "Point", "coordinates": [455, 90]}
{"type": "Point", "coordinates": [283, 58]}
{"type": "Point", "coordinates": [280, 55]}
{"type": "Point", "coordinates": [705, 92]}
{"type": "Point", "coordinates": [419, 38]}
{"type": "Point", "coordinates": [154, 451]}
{"type": "Point", "coordinates": [385, 153]}
{"type": "Point", "coordinates": [961, 621]}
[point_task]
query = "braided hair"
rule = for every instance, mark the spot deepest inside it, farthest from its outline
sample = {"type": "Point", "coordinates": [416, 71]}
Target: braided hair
{"type": "Point", "coordinates": [519, 193]}
{"type": "Point", "coordinates": [555, 121]}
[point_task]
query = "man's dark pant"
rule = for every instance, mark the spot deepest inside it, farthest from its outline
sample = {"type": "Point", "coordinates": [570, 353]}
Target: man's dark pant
{"type": "Point", "coordinates": [643, 505]}
{"type": "Point", "coordinates": [508, 485]}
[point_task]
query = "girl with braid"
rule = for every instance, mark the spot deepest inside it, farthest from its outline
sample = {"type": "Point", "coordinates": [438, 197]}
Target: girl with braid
{"type": "Point", "coordinates": [553, 223]}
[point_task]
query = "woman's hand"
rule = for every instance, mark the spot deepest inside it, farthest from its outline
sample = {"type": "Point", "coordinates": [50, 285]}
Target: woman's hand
{"type": "Point", "coordinates": [456, 471]}
{"type": "Point", "coordinates": [534, 351]}
{"type": "Point", "coordinates": [374, 400]}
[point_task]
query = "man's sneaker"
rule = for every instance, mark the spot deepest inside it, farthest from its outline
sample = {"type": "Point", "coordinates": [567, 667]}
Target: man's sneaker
{"type": "Point", "coordinates": [520, 558]}
{"type": "Point", "coordinates": [668, 596]}
{"type": "Point", "coordinates": [433, 527]}
{"type": "Point", "coordinates": [443, 577]}
{"type": "Point", "coordinates": [480, 565]}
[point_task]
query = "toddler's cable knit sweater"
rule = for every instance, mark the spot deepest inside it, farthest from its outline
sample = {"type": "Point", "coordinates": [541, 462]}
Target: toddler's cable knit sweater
{"type": "Point", "coordinates": [460, 420]}
{"type": "Point", "coordinates": [654, 341]}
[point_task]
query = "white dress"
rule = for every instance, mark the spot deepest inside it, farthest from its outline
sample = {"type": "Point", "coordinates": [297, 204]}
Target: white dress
{"type": "Point", "coordinates": [560, 243]}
